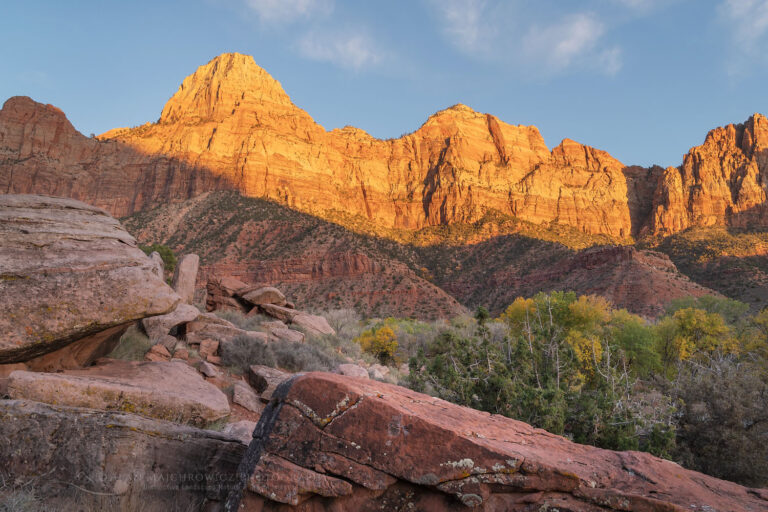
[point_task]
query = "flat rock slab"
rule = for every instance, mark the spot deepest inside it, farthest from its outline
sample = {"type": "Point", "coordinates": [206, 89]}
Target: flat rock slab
{"type": "Point", "coordinates": [68, 271]}
{"type": "Point", "coordinates": [158, 326]}
{"type": "Point", "coordinates": [264, 295]}
{"type": "Point", "coordinates": [423, 453]}
{"type": "Point", "coordinates": [285, 334]}
{"type": "Point", "coordinates": [173, 467]}
{"type": "Point", "coordinates": [170, 391]}
{"type": "Point", "coordinates": [314, 324]}
{"type": "Point", "coordinates": [265, 379]}
{"type": "Point", "coordinates": [185, 277]}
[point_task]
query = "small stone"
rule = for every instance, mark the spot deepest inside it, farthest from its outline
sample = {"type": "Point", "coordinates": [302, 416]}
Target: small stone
{"type": "Point", "coordinates": [265, 379]}
{"type": "Point", "coordinates": [181, 353]}
{"type": "Point", "coordinates": [242, 394]}
{"type": "Point", "coordinates": [208, 347]}
{"type": "Point", "coordinates": [242, 430]}
{"type": "Point", "coordinates": [352, 370]}
{"type": "Point", "coordinates": [208, 369]}
{"type": "Point", "coordinates": [157, 353]}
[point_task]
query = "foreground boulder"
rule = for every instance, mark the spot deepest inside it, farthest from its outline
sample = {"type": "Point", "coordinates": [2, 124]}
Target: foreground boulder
{"type": "Point", "coordinates": [170, 391]}
{"type": "Point", "coordinates": [70, 276]}
{"type": "Point", "coordinates": [164, 466]}
{"type": "Point", "coordinates": [329, 442]}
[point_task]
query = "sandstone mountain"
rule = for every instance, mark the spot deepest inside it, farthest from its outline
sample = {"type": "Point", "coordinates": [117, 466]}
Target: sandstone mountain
{"type": "Point", "coordinates": [462, 179]}
{"type": "Point", "coordinates": [232, 126]}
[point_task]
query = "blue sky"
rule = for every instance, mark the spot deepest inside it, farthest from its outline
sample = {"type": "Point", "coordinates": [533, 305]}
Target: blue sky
{"type": "Point", "coordinates": [642, 79]}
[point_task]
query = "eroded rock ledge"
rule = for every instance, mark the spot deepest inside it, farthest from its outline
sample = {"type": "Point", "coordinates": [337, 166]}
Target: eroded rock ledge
{"type": "Point", "coordinates": [329, 442]}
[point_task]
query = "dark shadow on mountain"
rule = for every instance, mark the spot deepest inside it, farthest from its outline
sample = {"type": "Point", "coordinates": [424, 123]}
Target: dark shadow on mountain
{"type": "Point", "coordinates": [642, 183]}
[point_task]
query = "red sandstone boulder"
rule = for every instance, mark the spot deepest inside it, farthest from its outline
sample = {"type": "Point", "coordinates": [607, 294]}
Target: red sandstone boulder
{"type": "Point", "coordinates": [169, 391]}
{"type": "Point", "coordinates": [72, 281]}
{"type": "Point", "coordinates": [328, 442]}
{"type": "Point", "coordinates": [264, 295]}
{"type": "Point", "coordinates": [185, 277]}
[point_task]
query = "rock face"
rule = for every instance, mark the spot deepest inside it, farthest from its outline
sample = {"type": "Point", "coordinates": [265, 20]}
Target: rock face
{"type": "Point", "coordinates": [642, 281]}
{"type": "Point", "coordinates": [721, 182]}
{"type": "Point", "coordinates": [115, 453]}
{"type": "Point", "coordinates": [372, 446]}
{"type": "Point", "coordinates": [232, 126]}
{"type": "Point", "coordinates": [169, 391]}
{"type": "Point", "coordinates": [185, 276]}
{"type": "Point", "coordinates": [70, 273]}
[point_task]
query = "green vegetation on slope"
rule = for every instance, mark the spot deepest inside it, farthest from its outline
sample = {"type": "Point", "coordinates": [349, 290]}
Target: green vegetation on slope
{"type": "Point", "coordinates": [692, 387]}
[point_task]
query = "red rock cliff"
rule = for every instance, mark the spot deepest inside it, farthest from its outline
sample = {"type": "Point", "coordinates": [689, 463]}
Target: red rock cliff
{"type": "Point", "coordinates": [232, 126]}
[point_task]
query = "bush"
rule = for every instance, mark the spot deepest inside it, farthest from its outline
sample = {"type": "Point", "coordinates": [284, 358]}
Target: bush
{"type": "Point", "coordinates": [303, 357]}
{"type": "Point", "coordinates": [132, 346]}
{"type": "Point", "coordinates": [723, 426]}
{"type": "Point", "coordinates": [169, 259]}
{"type": "Point", "coordinates": [242, 352]}
{"type": "Point", "coordinates": [243, 321]}
{"type": "Point", "coordinates": [380, 342]}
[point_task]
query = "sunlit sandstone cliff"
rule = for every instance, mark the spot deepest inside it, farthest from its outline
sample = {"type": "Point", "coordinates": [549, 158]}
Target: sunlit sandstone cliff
{"type": "Point", "coordinates": [231, 126]}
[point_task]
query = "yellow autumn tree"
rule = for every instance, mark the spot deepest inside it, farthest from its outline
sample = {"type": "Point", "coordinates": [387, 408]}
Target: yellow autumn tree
{"type": "Point", "coordinates": [380, 342]}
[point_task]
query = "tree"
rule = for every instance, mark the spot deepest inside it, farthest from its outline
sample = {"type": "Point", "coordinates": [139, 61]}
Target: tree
{"type": "Point", "coordinates": [379, 341]}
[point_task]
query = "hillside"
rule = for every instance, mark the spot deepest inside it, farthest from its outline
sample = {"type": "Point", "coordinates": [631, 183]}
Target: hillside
{"type": "Point", "coordinates": [467, 210]}
{"type": "Point", "coordinates": [328, 266]}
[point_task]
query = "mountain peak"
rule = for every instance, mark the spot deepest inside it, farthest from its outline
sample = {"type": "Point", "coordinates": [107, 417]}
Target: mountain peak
{"type": "Point", "coordinates": [215, 90]}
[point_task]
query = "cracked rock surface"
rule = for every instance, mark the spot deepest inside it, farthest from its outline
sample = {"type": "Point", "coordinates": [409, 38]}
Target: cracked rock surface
{"type": "Point", "coordinates": [342, 443]}
{"type": "Point", "coordinates": [68, 274]}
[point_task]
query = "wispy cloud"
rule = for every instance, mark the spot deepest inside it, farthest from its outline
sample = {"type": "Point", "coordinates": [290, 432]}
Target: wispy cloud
{"type": "Point", "coordinates": [283, 11]}
{"type": "Point", "coordinates": [747, 22]}
{"type": "Point", "coordinates": [573, 40]}
{"type": "Point", "coordinates": [355, 50]}
{"type": "Point", "coordinates": [463, 23]}
{"type": "Point", "coordinates": [507, 32]}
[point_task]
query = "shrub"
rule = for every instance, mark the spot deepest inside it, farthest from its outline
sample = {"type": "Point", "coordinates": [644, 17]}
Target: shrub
{"type": "Point", "coordinates": [169, 258]}
{"type": "Point", "coordinates": [243, 321]}
{"type": "Point", "coordinates": [303, 357]}
{"type": "Point", "coordinates": [381, 342]}
{"type": "Point", "coordinates": [241, 352]}
{"type": "Point", "coordinates": [132, 346]}
{"type": "Point", "coordinates": [723, 426]}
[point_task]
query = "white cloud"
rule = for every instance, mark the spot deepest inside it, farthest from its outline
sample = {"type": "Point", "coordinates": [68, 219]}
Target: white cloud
{"type": "Point", "coordinates": [507, 32]}
{"type": "Point", "coordinates": [282, 11]}
{"type": "Point", "coordinates": [463, 23]}
{"type": "Point", "coordinates": [609, 61]}
{"type": "Point", "coordinates": [351, 50]}
{"type": "Point", "coordinates": [747, 23]}
{"type": "Point", "coordinates": [748, 20]}
{"type": "Point", "coordinates": [574, 40]}
{"type": "Point", "coordinates": [638, 5]}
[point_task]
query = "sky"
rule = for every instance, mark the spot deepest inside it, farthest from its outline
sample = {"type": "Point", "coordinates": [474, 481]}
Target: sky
{"type": "Point", "coordinates": [642, 79]}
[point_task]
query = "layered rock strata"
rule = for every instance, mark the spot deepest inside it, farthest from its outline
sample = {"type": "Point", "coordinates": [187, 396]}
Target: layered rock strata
{"type": "Point", "coordinates": [232, 126]}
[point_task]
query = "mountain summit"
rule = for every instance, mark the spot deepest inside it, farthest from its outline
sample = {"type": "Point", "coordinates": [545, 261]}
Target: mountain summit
{"type": "Point", "coordinates": [232, 126]}
{"type": "Point", "coordinates": [228, 84]}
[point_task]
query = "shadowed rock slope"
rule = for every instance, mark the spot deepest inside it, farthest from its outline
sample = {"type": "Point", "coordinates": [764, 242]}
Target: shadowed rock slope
{"type": "Point", "coordinates": [328, 266]}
